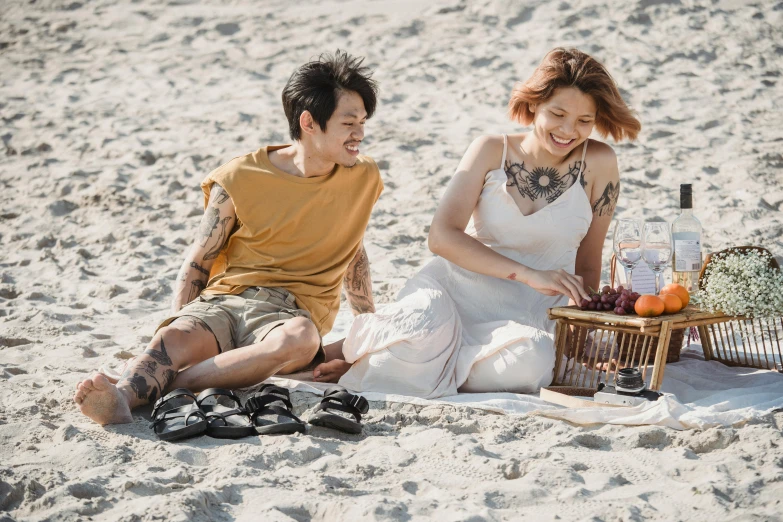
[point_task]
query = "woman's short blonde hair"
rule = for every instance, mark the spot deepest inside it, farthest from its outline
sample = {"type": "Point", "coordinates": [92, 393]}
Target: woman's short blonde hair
{"type": "Point", "coordinates": [573, 68]}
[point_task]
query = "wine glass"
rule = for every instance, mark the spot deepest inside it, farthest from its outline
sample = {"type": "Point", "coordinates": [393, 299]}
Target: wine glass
{"type": "Point", "coordinates": [656, 248]}
{"type": "Point", "coordinates": [627, 245]}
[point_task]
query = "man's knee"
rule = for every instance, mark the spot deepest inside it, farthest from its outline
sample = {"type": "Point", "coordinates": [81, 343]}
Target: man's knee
{"type": "Point", "coordinates": [300, 339]}
{"type": "Point", "coordinates": [181, 346]}
{"type": "Point", "coordinates": [169, 340]}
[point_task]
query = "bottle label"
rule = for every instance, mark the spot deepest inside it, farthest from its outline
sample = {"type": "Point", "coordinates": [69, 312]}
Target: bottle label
{"type": "Point", "coordinates": [687, 255]}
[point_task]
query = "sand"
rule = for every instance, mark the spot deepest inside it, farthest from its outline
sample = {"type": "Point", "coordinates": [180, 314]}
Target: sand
{"type": "Point", "coordinates": [112, 112]}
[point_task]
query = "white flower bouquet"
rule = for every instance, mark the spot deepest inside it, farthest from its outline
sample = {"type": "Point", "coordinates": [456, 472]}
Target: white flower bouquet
{"type": "Point", "coordinates": [743, 281]}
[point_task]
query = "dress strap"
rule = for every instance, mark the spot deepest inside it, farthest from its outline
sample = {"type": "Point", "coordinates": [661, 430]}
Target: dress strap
{"type": "Point", "coordinates": [505, 146]}
{"type": "Point", "coordinates": [584, 153]}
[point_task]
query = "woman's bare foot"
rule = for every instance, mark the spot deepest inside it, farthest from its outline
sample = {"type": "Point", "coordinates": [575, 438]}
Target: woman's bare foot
{"type": "Point", "coordinates": [330, 371]}
{"type": "Point", "coordinates": [100, 400]}
{"type": "Point", "coordinates": [334, 365]}
{"type": "Point", "coordinates": [602, 366]}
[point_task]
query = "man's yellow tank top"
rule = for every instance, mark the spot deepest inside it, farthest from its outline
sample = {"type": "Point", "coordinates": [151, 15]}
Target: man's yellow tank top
{"type": "Point", "coordinates": [291, 232]}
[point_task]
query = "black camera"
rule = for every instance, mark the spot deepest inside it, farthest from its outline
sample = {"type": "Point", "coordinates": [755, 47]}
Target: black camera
{"type": "Point", "coordinates": [628, 390]}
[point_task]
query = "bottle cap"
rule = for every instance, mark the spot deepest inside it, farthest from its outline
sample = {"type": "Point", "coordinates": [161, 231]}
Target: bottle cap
{"type": "Point", "coordinates": [686, 195]}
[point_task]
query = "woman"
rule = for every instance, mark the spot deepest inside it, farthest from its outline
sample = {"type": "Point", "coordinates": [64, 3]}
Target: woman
{"type": "Point", "coordinates": [519, 230]}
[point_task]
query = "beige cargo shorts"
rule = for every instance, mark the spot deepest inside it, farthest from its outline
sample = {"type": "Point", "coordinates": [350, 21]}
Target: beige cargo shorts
{"type": "Point", "coordinates": [246, 318]}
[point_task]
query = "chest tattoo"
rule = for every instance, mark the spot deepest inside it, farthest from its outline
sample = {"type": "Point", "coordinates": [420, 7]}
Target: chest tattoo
{"type": "Point", "coordinates": [543, 182]}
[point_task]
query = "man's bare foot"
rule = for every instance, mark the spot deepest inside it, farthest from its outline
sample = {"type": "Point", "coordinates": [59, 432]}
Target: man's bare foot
{"type": "Point", "coordinates": [115, 380]}
{"type": "Point", "coordinates": [101, 401]}
{"type": "Point", "coordinates": [330, 371]}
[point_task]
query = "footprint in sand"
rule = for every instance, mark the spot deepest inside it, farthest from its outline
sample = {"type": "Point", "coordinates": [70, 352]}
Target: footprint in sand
{"type": "Point", "coordinates": [191, 456]}
{"type": "Point", "coordinates": [227, 29]}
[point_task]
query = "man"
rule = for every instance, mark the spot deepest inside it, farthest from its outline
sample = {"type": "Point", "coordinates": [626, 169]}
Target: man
{"type": "Point", "coordinates": [282, 228]}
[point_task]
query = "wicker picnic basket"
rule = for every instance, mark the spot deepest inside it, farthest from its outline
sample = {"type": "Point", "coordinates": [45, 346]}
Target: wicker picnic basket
{"type": "Point", "coordinates": [749, 342]}
{"type": "Point", "coordinates": [677, 338]}
{"type": "Point", "coordinates": [740, 250]}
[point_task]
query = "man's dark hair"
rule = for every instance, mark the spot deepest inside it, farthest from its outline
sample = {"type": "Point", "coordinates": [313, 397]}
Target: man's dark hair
{"type": "Point", "coordinates": [316, 86]}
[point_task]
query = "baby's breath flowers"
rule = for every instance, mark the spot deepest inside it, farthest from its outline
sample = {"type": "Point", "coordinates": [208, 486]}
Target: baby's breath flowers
{"type": "Point", "coordinates": [743, 283]}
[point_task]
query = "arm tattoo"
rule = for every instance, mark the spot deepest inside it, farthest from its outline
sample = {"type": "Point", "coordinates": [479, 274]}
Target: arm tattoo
{"type": "Point", "coordinates": [208, 223]}
{"type": "Point", "coordinates": [608, 201]}
{"type": "Point", "coordinates": [213, 253]}
{"type": "Point", "coordinates": [361, 305]}
{"type": "Point", "coordinates": [200, 268]}
{"type": "Point", "coordinates": [512, 276]}
{"type": "Point", "coordinates": [220, 194]}
{"type": "Point", "coordinates": [541, 182]}
{"type": "Point", "coordinates": [358, 284]}
{"type": "Point", "coordinates": [196, 286]}
{"type": "Point", "coordinates": [360, 272]}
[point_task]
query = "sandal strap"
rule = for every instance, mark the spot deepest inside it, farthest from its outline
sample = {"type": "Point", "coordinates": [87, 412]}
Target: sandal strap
{"type": "Point", "coordinates": [337, 403]}
{"type": "Point", "coordinates": [215, 392]}
{"type": "Point", "coordinates": [178, 413]}
{"type": "Point", "coordinates": [346, 398]}
{"type": "Point", "coordinates": [257, 402]}
{"type": "Point", "coordinates": [276, 410]}
{"type": "Point", "coordinates": [272, 388]}
{"type": "Point", "coordinates": [334, 389]}
{"type": "Point", "coordinates": [174, 394]}
{"type": "Point", "coordinates": [222, 415]}
{"type": "Point", "coordinates": [330, 405]}
{"type": "Point", "coordinates": [270, 400]}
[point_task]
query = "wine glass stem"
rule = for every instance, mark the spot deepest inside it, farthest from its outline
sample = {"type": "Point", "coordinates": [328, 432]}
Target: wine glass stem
{"type": "Point", "coordinates": [628, 273]}
{"type": "Point", "coordinates": [658, 276]}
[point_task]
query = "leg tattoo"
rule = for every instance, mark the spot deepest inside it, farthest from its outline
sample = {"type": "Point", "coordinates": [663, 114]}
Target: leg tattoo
{"type": "Point", "coordinates": [161, 356]}
{"type": "Point", "coordinates": [168, 377]}
{"type": "Point", "coordinates": [144, 382]}
{"type": "Point", "coordinates": [139, 385]}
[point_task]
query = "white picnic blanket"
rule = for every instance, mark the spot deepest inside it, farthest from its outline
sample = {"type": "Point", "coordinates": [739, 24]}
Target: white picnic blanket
{"type": "Point", "coordinates": [698, 394]}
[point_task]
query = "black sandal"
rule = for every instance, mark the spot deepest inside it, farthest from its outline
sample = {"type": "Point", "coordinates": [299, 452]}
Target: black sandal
{"type": "Point", "coordinates": [172, 416]}
{"type": "Point", "coordinates": [224, 422]}
{"type": "Point", "coordinates": [261, 406]}
{"type": "Point", "coordinates": [339, 399]}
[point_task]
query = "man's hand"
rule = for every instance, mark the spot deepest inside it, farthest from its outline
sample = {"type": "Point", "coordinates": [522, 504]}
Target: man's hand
{"type": "Point", "coordinates": [358, 284]}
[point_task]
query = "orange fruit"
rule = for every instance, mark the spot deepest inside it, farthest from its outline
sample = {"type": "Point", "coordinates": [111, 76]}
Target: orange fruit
{"type": "Point", "coordinates": [671, 303]}
{"type": "Point", "coordinates": [679, 291]}
{"type": "Point", "coordinates": [649, 306]}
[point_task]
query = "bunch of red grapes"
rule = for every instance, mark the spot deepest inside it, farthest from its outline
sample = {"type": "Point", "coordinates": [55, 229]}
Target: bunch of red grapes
{"type": "Point", "coordinates": [619, 300]}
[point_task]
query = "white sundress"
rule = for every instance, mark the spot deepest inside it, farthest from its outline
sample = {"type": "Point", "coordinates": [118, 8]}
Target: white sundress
{"type": "Point", "coordinates": [454, 330]}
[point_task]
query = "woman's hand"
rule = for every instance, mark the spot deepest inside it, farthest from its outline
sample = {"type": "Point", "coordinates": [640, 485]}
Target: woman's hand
{"type": "Point", "coordinates": [554, 282]}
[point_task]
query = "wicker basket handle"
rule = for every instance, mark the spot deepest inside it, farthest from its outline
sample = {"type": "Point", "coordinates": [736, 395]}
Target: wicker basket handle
{"type": "Point", "coordinates": [613, 271]}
